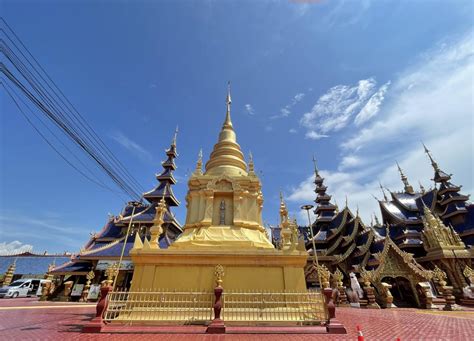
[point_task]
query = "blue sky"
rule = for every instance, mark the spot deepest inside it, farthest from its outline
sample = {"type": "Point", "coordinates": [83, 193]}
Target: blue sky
{"type": "Point", "coordinates": [357, 83]}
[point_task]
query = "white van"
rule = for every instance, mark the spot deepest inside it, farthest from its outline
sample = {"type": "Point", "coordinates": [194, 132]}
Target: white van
{"type": "Point", "coordinates": [24, 287]}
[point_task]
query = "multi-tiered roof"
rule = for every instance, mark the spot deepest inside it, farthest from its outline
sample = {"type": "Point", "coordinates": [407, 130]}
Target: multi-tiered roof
{"type": "Point", "coordinates": [405, 210]}
{"type": "Point", "coordinates": [109, 242]}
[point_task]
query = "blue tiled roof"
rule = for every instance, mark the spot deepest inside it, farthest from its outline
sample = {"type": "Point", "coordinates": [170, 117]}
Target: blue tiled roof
{"type": "Point", "coordinates": [468, 222]}
{"type": "Point", "coordinates": [74, 267]}
{"type": "Point", "coordinates": [427, 198]}
{"type": "Point", "coordinates": [112, 251]}
{"type": "Point", "coordinates": [399, 212]}
{"type": "Point", "coordinates": [30, 265]}
{"type": "Point", "coordinates": [148, 215]}
{"type": "Point", "coordinates": [406, 200]}
{"type": "Point", "coordinates": [111, 230]}
{"type": "Point", "coordinates": [116, 249]}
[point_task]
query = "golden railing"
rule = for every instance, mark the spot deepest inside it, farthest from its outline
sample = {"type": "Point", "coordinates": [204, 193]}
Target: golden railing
{"type": "Point", "coordinates": [196, 307]}
{"type": "Point", "coordinates": [252, 307]}
{"type": "Point", "coordinates": [190, 307]}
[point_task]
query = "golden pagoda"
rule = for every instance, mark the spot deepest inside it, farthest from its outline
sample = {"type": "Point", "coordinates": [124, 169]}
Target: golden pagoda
{"type": "Point", "coordinates": [223, 228]}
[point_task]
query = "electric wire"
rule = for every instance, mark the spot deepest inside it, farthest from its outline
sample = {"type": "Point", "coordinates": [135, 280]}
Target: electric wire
{"type": "Point", "coordinates": [60, 111]}
{"type": "Point", "coordinates": [81, 119]}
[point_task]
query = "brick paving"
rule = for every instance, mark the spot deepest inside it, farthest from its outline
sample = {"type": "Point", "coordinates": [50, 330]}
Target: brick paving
{"type": "Point", "coordinates": [28, 319]}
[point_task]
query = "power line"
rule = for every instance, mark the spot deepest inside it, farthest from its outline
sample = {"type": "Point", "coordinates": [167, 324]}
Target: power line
{"type": "Point", "coordinates": [84, 126]}
{"type": "Point", "coordinates": [52, 102]}
{"type": "Point", "coordinates": [10, 92]}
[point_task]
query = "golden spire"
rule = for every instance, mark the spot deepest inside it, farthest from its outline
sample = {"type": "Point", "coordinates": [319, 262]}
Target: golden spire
{"type": "Point", "coordinates": [227, 156]}
{"type": "Point", "coordinates": [433, 162]}
{"type": "Point", "coordinates": [408, 188]}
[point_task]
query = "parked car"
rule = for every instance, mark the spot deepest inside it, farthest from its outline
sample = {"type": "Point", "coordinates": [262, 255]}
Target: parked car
{"type": "Point", "coordinates": [24, 287]}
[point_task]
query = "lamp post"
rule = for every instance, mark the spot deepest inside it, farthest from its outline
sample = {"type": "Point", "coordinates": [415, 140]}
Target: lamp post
{"type": "Point", "coordinates": [315, 255]}
{"type": "Point", "coordinates": [134, 204]}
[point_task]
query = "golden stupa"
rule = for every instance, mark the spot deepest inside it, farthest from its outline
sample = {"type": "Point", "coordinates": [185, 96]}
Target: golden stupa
{"type": "Point", "coordinates": [223, 228]}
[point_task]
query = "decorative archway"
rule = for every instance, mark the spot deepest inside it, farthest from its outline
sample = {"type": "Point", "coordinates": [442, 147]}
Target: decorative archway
{"type": "Point", "coordinates": [402, 292]}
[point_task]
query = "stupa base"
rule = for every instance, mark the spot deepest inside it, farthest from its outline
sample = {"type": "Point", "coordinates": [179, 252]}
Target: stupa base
{"type": "Point", "coordinates": [191, 270]}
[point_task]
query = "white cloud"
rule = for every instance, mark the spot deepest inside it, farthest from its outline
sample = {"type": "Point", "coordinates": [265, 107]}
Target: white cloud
{"type": "Point", "coordinates": [130, 145]}
{"type": "Point", "coordinates": [433, 102]}
{"type": "Point", "coordinates": [292, 131]}
{"type": "Point", "coordinates": [372, 107]}
{"type": "Point", "coordinates": [249, 109]}
{"type": "Point", "coordinates": [286, 110]}
{"type": "Point", "coordinates": [350, 161]}
{"type": "Point", "coordinates": [298, 97]}
{"type": "Point", "coordinates": [14, 247]}
{"type": "Point", "coordinates": [311, 134]}
{"type": "Point", "coordinates": [334, 110]}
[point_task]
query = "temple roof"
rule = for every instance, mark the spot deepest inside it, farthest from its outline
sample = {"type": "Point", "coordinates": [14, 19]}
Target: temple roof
{"type": "Point", "coordinates": [30, 265]}
{"type": "Point", "coordinates": [72, 268]}
{"type": "Point", "coordinates": [407, 200]}
{"type": "Point", "coordinates": [147, 216]}
{"type": "Point", "coordinates": [399, 213]}
{"type": "Point", "coordinates": [114, 249]}
{"type": "Point", "coordinates": [157, 193]}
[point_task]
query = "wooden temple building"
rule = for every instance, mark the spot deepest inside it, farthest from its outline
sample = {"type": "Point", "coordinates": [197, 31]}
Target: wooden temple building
{"type": "Point", "coordinates": [105, 247]}
{"type": "Point", "coordinates": [425, 238]}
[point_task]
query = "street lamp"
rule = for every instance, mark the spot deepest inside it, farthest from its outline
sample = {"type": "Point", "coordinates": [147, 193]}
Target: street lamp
{"type": "Point", "coordinates": [134, 204]}
{"type": "Point", "coordinates": [315, 255]}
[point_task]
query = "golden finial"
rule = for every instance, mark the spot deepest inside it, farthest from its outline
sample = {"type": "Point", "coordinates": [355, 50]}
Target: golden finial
{"type": "Point", "coordinates": [219, 273]}
{"type": "Point", "coordinates": [198, 170]}
{"type": "Point", "coordinates": [175, 136]}
{"type": "Point", "coordinates": [316, 172]}
{"type": "Point", "coordinates": [408, 188]}
{"type": "Point", "coordinates": [251, 166]}
{"type": "Point", "coordinates": [433, 162]}
{"type": "Point", "coordinates": [346, 202]}
{"type": "Point", "coordinates": [228, 102]}
{"type": "Point", "coordinates": [383, 192]}
{"type": "Point", "coordinates": [157, 229]}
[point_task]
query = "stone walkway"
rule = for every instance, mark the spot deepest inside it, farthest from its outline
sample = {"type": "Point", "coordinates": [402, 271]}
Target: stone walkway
{"type": "Point", "coordinates": [28, 319]}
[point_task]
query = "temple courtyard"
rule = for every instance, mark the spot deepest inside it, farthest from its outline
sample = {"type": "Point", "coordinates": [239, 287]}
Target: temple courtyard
{"type": "Point", "coordinates": [29, 319]}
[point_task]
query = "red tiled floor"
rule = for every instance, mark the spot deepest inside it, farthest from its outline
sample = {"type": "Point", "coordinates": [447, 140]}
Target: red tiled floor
{"type": "Point", "coordinates": [28, 319]}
